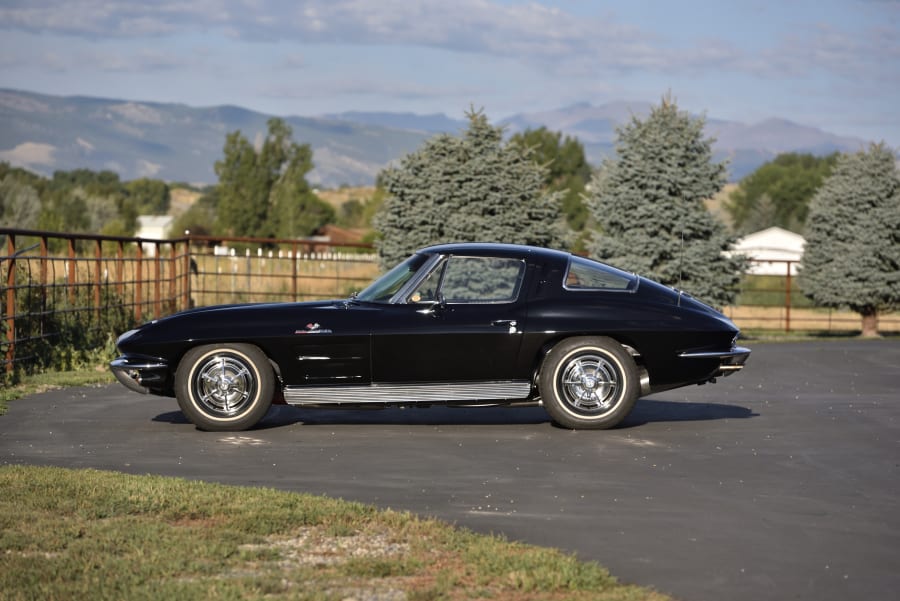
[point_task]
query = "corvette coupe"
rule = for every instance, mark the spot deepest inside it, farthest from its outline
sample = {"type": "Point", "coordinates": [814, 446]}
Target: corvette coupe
{"type": "Point", "coordinates": [454, 324]}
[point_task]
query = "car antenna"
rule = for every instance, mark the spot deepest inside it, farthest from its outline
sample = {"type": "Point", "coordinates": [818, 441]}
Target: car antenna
{"type": "Point", "coordinates": [681, 267]}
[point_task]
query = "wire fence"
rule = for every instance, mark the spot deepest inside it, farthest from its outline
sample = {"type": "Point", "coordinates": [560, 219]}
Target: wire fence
{"type": "Point", "coordinates": [57, 287]}
{"type": "Point", "coordinates": [64, 289]}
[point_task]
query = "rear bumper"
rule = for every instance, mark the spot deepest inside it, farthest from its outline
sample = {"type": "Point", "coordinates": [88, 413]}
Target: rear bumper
{"type": "Point", "coordinates": [729, 361]}
{"type": "Point", "coordinates": [140, 374]}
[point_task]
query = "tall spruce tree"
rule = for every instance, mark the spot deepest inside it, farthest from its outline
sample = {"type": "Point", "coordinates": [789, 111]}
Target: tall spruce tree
{"type": "Point", "coordinates": [466, 189]}
{"type": "Point", "coordinates": [648, 206]}
{"type": "Point", "coordinates": [852, 253]}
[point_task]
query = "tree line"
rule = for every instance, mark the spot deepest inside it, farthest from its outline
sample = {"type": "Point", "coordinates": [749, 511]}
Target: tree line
{"type": "Point", "coordinates": [642, 209]}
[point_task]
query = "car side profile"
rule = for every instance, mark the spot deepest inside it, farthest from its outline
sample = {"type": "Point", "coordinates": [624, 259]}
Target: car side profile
{"type": "Point", "coordinates": [454, 324]}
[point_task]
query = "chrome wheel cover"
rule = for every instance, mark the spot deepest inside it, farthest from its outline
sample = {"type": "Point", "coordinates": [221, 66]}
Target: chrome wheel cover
{"type": "Point", "coordinates": [224, 385]}
{"type": "Point", "coordinates": [590, 384]}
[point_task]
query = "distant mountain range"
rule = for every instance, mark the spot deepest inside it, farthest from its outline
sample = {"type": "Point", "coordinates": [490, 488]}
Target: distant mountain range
{"type": "Point", "coordinates": [175, 142]}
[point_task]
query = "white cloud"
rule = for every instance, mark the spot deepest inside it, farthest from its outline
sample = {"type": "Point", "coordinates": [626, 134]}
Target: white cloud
{"type": "Point", "coordinates": [547, 37]}
{"type": "Point", "coordinates": [30, 154]}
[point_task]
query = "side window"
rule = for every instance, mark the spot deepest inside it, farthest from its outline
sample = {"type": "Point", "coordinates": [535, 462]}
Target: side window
{"type": "Point", "coordinates": [584, 274]}
{"type": "Point", "coordinates": [472, 280]}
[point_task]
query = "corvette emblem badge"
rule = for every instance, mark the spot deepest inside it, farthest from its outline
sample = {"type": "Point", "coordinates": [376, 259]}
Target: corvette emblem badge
{"type": "Point", "coordinates": [312, 328]}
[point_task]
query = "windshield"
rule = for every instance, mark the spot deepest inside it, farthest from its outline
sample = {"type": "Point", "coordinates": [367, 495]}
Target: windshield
{"type": "Point", "coordinates": [385, 287]}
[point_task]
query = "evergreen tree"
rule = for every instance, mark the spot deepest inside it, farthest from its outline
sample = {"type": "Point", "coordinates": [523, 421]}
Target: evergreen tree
{"type": "Point", "coordinates": [852, 253]}
{"type": "Point", "coordinates": [648, 206]}
{"type": "Point", "coordinates": [465, 189]}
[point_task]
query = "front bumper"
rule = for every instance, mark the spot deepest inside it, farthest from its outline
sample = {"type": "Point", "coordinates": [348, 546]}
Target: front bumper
{"type": "Point", "coordinates": [729, 361]}
{"type": "Point", "coordinates": [140, 374]}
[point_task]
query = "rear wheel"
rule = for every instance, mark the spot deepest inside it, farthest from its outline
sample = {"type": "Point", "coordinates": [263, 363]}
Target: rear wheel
{"type": "Point", "coordinates": [224, 387]}
{"type": "Point", "coordinates": [589, 382]}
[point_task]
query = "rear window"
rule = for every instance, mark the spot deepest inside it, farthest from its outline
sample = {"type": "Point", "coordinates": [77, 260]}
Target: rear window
{"type": "Point", "coordinates": [585, 274]}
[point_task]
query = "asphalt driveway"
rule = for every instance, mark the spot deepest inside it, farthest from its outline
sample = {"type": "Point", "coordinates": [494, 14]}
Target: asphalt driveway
{"type": "Point", "coordinates": [781, 482]}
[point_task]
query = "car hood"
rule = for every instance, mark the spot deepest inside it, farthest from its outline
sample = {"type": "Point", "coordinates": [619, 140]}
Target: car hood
{"type": "Point", "coordinates": [241, 321]}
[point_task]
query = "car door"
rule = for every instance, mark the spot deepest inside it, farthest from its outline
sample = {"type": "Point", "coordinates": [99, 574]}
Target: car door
{"type": "Point", "coordinates": [462, 323]}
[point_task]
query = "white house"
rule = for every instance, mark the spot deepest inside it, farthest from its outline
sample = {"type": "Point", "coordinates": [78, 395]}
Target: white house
{"type": "Point", "coordinates": [770, 249]}
{"type": "Point", "coordinates": [153, 227]}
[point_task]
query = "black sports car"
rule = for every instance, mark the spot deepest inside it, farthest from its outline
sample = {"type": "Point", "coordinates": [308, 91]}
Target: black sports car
{"type": "Point", "coordinates": [455, 324]}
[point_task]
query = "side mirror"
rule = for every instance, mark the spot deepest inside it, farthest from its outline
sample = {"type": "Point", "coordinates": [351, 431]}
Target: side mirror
{"type": "Point", "coordinates": [435, 308]}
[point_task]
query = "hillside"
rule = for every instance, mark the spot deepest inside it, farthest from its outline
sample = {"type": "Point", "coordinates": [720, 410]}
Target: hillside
{"type": "Point", "coordinates": [175, 142]}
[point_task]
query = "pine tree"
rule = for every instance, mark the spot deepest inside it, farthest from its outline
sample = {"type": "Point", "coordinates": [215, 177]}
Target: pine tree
{"type": "Point", "coordinates": [648, 207]}
{"type": "Point", "coordinates": [466, 189]}
{"type": "Point", "coordinates": [852, 253]}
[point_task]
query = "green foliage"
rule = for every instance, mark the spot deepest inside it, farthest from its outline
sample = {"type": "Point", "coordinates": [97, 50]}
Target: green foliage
{"type": "Point", "coordinates": [852, 254]}
{"type": "Point", "coordinates": [296, 211]}
{"type": "Point", "coordinates": [567, 169]}
{"type": "Point", "coordinates": [20, 203]}
{"type": "Point", "coordinates": [243, 189]}
{"type": "Point", "coordinates": [263, 192]}
{"type": "Point", "coordinates": [778, 193]}
{"type": "Point", "coordinates": [149, 196]}
{"type": "Point", "coordinates": [200, 218]}
{"type": "Point", "coordinates": [79, 201]}
{"type": "Point", "coordinates": [648, 206]}
{"type": "Point", "coordinates": [359, 212]}
{"type": "Point", "coordinates": [59, 331]}
{"type": "Point", "coordinates": [468, 188]}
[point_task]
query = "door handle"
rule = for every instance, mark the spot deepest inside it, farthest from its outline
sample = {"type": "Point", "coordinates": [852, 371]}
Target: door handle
{"type": "Point", "coordinates": [510, 323]}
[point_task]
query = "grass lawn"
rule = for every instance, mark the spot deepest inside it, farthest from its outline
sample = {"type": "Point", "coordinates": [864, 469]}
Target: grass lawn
{"type": "Point", "coordinates": [51, 381]}
{"type": "Point", "coordinates": [92, 535]}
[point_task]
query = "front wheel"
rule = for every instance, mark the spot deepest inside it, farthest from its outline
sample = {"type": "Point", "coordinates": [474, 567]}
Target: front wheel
{"type": "Point", "coordinates": [589, 382]}
{"type": "Point", "coordinates": [223, 387]}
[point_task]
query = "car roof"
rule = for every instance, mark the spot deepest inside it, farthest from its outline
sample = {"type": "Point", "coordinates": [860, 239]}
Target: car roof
{"type": "Point", "coordinates": [495, 249]}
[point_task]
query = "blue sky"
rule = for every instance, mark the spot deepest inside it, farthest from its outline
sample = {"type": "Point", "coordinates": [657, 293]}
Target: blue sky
{"type": "Point", "coordinates": [828, 64]}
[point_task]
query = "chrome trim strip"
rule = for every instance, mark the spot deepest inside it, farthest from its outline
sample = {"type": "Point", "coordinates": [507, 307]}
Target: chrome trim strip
{"type": "Point", "coordinates": [738, 353]}
{"type": "Point", "coordinates": [407, 393]}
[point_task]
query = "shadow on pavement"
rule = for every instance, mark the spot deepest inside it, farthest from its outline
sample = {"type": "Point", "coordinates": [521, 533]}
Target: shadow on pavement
{"type": "Point", "coordinates": [644, 412]}
{"type": "Point", "coordinates": [649, 410]}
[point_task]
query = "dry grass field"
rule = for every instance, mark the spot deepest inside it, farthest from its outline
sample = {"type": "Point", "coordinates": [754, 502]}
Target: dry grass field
{"type": "Point", "coordinates": [804, 320]}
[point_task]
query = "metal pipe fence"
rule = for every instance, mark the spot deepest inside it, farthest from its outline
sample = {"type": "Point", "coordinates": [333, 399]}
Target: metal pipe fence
{"type": "Point", "coordinates": [67, 288]}
{"type": "Point", "coordinates": [62, 286]}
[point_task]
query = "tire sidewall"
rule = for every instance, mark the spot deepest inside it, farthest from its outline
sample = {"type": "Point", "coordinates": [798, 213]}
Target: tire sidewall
{"type": "Point", "coordinates": [555, 363]}
{"type": "Point", "coordinates": [193, 408]}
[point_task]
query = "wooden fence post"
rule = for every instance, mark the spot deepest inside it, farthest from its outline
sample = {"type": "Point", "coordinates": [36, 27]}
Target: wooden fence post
{"type": "Point", "coordinates": [787, 299]}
